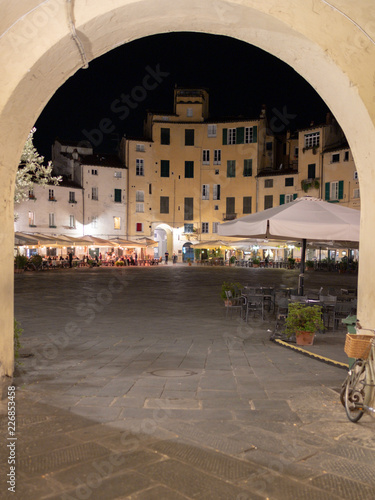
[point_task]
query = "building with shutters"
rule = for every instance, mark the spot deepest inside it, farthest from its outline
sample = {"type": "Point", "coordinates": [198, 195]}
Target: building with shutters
{"type": "Point", "coordinates": [189, 172]}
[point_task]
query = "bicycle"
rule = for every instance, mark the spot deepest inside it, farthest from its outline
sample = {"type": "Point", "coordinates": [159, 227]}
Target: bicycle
{"type": "Point", "coordinates": [357, 393]}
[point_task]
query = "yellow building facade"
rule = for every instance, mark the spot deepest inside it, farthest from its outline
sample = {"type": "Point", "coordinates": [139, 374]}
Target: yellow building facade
{"type": "Point", "coordinates": [188, 173]}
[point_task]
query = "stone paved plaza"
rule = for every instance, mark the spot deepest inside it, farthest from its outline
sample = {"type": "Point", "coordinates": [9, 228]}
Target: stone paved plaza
{"type": "Point", "coordinates": [134, 385]}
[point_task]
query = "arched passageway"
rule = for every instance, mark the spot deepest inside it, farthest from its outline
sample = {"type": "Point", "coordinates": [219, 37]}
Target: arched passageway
{"type": "Point", "coordinates": [331, 44]}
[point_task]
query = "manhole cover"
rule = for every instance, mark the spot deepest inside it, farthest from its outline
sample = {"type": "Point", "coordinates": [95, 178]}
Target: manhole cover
{"type": "Point", "coordinates": [173, 373]}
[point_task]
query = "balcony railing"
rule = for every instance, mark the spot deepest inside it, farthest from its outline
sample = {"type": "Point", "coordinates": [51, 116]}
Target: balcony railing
{"type": "Point", "coordinates": [229, 216]}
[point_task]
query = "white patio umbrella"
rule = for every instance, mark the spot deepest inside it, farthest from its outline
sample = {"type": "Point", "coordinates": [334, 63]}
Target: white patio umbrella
{"type": "Point", "coordinates": [304, 219]}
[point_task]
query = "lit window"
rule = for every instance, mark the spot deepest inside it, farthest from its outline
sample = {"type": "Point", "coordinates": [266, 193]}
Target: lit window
{"type": "Point", "coordinates": [116, 222]}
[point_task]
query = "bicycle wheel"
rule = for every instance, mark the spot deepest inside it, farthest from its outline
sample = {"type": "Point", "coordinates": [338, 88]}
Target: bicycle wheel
{"type": "Point", "coordinates": [354, 391]}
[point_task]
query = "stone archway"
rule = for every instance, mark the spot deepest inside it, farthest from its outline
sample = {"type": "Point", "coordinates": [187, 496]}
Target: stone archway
{"type": "Point", "coordinates": [331, 44]}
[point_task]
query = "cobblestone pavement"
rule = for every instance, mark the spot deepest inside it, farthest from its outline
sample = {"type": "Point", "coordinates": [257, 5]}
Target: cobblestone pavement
{"type": "Point", "coordinates": [135, 385]}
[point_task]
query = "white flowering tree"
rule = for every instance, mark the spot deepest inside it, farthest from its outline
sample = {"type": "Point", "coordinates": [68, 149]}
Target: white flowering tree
{"type": "Point", "coordinates": [32, 171]}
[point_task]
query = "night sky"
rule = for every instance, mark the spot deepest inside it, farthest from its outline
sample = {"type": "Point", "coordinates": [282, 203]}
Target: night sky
{"type": "Point", "coordinates": [239, 77]}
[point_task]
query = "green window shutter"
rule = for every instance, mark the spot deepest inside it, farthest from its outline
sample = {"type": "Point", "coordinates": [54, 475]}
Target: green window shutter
{"type": "Point", "coordinates": [341, 190]}
{"type": "Point", "coordinates": [255, 133]}
{"type": "Point", "coordinates": [225, 136]}
{"type": "Point", "coordinates": [327, 191]}
{"type": "Point", "coordinates": [282, 199]}
{"type": "Point", "coordinates": [240, 135]}
{"type": "Point", "coordinates": [295, 196]}
{"type": "Point", "coordinates": [118, 195]}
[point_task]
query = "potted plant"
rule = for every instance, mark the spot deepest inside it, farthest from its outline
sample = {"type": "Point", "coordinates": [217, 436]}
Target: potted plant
{"type": "Point", "coordinates": [188, 261]}
{"type": "Point", "coordinates": [20, 262]}
{"type": "Point", "coordinates": [232, 260]}
{"type": "Point", "coordinates": [234, 288]}
{"type": "Point", "coordinates": [303, 321]}
{"type": "Point", "coordinates": [291, 262]}
{"type": "Point", "coordinates": [310, 265]}
{"type": "Point", "coordinates": [256, 262]}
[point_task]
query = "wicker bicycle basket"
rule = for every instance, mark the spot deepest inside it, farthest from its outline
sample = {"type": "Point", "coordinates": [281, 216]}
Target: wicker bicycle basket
{"type": "Point", "coordinates": [358, 346]}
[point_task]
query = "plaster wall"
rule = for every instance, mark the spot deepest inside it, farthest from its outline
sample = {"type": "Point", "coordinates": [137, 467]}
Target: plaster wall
{"type": "Point", "coordinates": [331, 44]}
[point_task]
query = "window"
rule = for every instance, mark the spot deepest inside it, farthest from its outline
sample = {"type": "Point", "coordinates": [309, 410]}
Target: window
{"type": "Point", "coordinates": [217, 157]}
{"type": "Point", "coordinates": [72, 222]}
{"type": "Point", "coordinates": [249, 135]}
{"type": "Point", "coordinates": [118, 175]}
{"type": "Point", "coordinates": [189, 112]}
{"type": "Point", "coordinates": [139, 167]}
{"type": "Point", "coordinates": [189, 137]}
{"type": "Point", "coordinates": [335, 158]}
{"type": "Point", "coordinates": [215, 226]}
{"type": "Point", "coordinates": [139, 227]}
{"type": "Point", "coordinates": [355, 175]}
{"type": "Point", "coordinates": [118, 196]}
{"type": "Point", "coordinates": [205, 227]}
{"type": "Point", "coordinates": [139, 198]}
{"type": "Point", "coordinates": [312, 140]}
{"type": "Point", "coordinates": [52, 220]}
{"type": "Point", "coordinates": [247, 204]}
{"type": "Point", "coordinates": [247, 168]}
{"type": "Point", "coordinates": [311, 171]}
{"type": "Point", "coordinates": [188, 228]}
{"type": "Point", "coordinates": [289, 181]}
{"type": "Point", "coordinates": [31, 194]}
{"type": "Point", "coordinates": [217, 171]}
{"type": "Point", "coordinates": [51, 194]}
{"type": "Point", "coordinates": [188, 209]}
{"type": "Point", "coordinates": [165, 136]}
{"type": "Point", "coordinates": [164, 204]}
{"type": "Point", "coordinates": [269, 146]}
{"type": "Point", "coordinates": [231, 136]}
{"type": "Point", "coordinates": [206, 157]}
{"type": "Point", "coordinates": [164, 168]}
{"type": "Point", "coordinates": [216, 193]}
{"type": "Point", "coordinates": [346, 156]}
{"type": "Point", "coordinates": [140, 148]}
{"type": "Point", "coordinates": [268, 183]}
{"type": "Point", "coordinates": [334, 191]}
{"type": "Point", "coordinates": [356, 193]}
{"type": "Point", "coordinates": [216, 207]}
{"type": "Point", "coordinates": [150, 188]}
{"type": "Point", "coordinates": [287, 198]}
{"type": "Point", "coordinates": [94, 171]}
{"type": "Point", "coordinates": [268, 201]}
{"type": "Point", "coordinates": [116, 222]}
{"type": "Point", "coordinates": [211, 130]}
{"type": "Point", "coordinates": [189, 169]}
{"type": "Point", "coordinates": [31, 219]}
{"type": "Point", "coordinates": [205, 192]}
{"type": "Point", "coordinates": [231, 168]}
{"type": "Point", "coordinates": [72, 197]}
{"type": "Point", "coordinates": [94, 222]}
{"type": "Point", "coordinates": [230, 205]}
{"type": "Point", "coordinates": [94, 193]}
{"type": "Point", "coordinates": [296, 151]}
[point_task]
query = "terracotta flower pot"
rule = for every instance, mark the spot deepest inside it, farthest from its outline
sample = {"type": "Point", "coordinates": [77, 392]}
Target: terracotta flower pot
{"type": "Point", "coordinates": [305, 338]}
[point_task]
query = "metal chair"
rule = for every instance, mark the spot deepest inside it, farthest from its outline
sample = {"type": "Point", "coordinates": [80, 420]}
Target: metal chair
{"type": "Point", "coordinates": [234, 303]}
{"type": "Point", "coordinates": [255, 303]}
{"type": "Point", "coordinates": [328, 303]}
